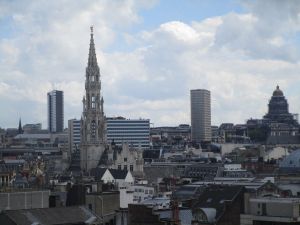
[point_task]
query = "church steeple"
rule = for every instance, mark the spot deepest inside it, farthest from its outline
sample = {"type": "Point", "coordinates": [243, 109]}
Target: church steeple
{"type": "Point", "coordinates": [20, 130]}
{"type": "Point", "coordinates": [93, 136]}
{"type": "Point", "coordinates": [92, 61]}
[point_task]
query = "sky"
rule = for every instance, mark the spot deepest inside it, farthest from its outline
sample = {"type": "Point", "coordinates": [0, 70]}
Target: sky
{"type": "Point", "coordinates": [151, 53]}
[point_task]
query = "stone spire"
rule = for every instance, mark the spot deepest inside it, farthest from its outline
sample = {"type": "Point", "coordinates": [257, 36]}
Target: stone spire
{"type": "Point", "coordinates": [93, 136]}
{"type": "Point", "coordinates": [92, 61]}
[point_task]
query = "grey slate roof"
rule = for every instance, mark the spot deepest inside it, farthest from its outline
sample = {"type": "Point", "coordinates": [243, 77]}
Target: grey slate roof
{"type": "Point", "coordinates": [215, 197]}
{"type": "Point", "coordinates": [98, 172]}
{"type": "Point", "coordinates": [49, 216]}
{"type": "Point", "coordinates": [283, 140]}
{"type": "Point", "coordinates": [185, 215]}
{"type": "Point", "coordinates": [118, 174]}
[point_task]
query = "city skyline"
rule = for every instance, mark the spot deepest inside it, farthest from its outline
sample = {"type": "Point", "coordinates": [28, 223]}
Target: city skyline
{"type": "Point", "coordinates": [149, 60]}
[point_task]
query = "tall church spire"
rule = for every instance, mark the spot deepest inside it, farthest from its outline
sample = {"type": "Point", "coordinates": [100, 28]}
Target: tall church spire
{"type": "Point", "coordinates": [92, 53]}
{"type": "Point", "coordinates": [20, 130]}
{"type": "Point", "coordinates": [93, 120]}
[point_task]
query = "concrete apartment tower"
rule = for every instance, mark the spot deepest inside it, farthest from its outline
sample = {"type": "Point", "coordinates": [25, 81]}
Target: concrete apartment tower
{"type": "Point", "coordinates": [92, 125]}
{"type": "Point", "coordinates": [200, 115]}
{"type": "Point", "coordinates": [55, 111]}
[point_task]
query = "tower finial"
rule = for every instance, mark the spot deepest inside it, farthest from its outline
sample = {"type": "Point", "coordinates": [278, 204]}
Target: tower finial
{"type": "Point", "coordinates": [92, 29]}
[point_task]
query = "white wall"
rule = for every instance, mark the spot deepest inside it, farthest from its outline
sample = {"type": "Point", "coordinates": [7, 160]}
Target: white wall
{"type": "Point", "coordinates": [126, 197]}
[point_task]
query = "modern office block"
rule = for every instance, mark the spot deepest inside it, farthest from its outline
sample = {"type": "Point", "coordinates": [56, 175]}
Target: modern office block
{"type": "Point", "coordinates": [134, 132]}
{"type": "Point", "coordinates": [55, 111]}
{"type": "Point", "coordinates": [74, 134]}
{"type": "Point", "coordinates": [200, 115]}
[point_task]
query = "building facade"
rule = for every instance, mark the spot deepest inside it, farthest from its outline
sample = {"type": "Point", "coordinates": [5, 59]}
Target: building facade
{"type": "Point", "coordinates": [278, 126]}
{"type": "Point", "coordinates": [32, 128]}
{"type": "Point", "coordinates": [55, 111]}
{"type": "Point", "coordinates": [200, 115]}
{"type": "Point", "coordinates": [279, 109]}
{"type": "Point", "coordinates": [73, 134]}
{"type": "Point", "coordinates": [123, 158]}
{"type": "Point", "coordinates": [92, 121]}
{"type": "Point", "coordinates": [135, 133]}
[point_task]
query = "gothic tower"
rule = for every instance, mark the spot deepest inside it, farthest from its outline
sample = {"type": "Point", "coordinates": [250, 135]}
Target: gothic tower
{"type": "Point", "coordinates": [92, 120]}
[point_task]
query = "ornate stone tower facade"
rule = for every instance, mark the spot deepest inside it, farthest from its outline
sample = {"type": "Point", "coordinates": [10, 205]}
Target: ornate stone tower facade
{"type": "Point", "coordinates": [92, 121]}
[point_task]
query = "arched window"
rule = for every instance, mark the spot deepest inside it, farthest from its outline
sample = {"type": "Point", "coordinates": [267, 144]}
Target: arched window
{"type": "Point", "coordinates": [93, 102]}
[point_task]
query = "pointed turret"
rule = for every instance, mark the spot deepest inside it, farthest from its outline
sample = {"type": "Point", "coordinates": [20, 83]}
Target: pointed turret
{"type": "Point", "coordinates": [20, 130]}
{"type": "Point", "coordinates": [92, 61]}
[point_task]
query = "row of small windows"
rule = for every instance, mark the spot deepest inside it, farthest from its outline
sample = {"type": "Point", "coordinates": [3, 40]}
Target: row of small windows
{"type": "Point", "coordinates": [126, 141]}
{"type": "Point", "coordinates": [124, 134]}
{"type": "Point", "coordinates": [143, 191]}
{"type": "Point", "coordinates": [127, 124]}
{"type": "Point", "coordinates": [128, 121]}
{"type": "Point", "coordinates": [128, 131]}
{"type": "Point", "coordinates": [120, 139]}
{"type": "Point", "coordinates": [125, 167]}
{"type": "Point", "coordinates": [128, 128]}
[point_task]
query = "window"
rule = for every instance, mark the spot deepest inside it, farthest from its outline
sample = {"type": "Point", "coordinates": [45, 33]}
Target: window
{"type": "Point", "coordinates": [119, 167]}
{"type": "Point", "coordinates": [93, 129]}
{"type": "Point", "coordinates": [93, 102]}
{"type": "Point", "coordinates": [131, 167]}
{"type": "Point", "coordinates": [264, 209]}
{"type": "Point", "coordinates": [125, 167]}
{"type": "Point", "coordinates": [125, 159]}
{"type": "Point", "coordinates": [90, 207]}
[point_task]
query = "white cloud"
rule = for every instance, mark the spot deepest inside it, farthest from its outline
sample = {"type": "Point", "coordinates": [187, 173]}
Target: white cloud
{"type": "Point", "coordinates": [239, 57]}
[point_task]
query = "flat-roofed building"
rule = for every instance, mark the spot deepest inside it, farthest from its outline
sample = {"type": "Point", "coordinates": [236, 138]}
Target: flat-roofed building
{"type": "Point", "coordinates": [134, 132]}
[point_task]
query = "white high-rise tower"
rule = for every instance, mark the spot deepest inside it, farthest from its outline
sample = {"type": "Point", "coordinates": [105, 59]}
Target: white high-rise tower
{"type": "Point", "coordinates": [200, 115]}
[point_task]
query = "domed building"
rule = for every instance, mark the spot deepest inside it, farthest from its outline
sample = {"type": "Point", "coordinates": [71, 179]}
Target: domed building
{"type": "Point", "coordinates": [279, 109]}
{"type": "Point", "coordinates": [283, 126]}
{"type": "Point", "coordinates": [278, 126]}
